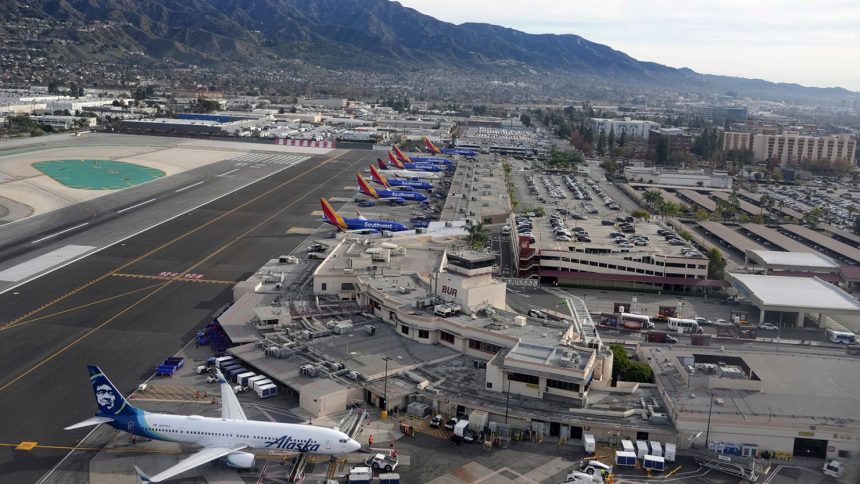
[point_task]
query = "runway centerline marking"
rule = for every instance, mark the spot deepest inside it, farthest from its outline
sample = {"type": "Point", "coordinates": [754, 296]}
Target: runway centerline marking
{"type": "Point", "coordinates": [59, 233]}
{"type": "Point", "coordinates": [189, 186]}
{"type": "Point", "coordinates": [228, 172]}
{"type": "Point", "coordinates": [137, 205]}
{"type": "Point", "coordinates": [168, 283]}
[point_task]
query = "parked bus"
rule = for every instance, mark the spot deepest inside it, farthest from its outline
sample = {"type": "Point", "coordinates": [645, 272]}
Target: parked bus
{"type": "Point", "coordinates": [636, 321]}
{"type": "Point", "coordinates": [844, 337]}
{"type": "Point", "coordinates": [684, 325]}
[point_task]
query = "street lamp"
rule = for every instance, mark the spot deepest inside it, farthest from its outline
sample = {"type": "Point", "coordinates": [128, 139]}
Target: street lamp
{"type": "Point", "coordinates": [708, 429]}
{"type": "Point", "coordinates": [385, 388]}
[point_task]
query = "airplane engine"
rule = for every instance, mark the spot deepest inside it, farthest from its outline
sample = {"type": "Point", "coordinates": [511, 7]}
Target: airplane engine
{"type": "Point", "coordinates": [241, 460]}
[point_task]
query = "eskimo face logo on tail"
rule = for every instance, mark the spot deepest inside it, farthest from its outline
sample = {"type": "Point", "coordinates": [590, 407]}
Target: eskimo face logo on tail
{"type": "Point", "coordinates": [287, 442]}
{"type": "Point", "coordinates": [105, 396]}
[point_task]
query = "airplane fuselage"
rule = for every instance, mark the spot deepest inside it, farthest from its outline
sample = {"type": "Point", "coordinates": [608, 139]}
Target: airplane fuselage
{"type": "Point", "coordinates": [208, 431]}
{"type": "Point", "coordinates": [371, 225]}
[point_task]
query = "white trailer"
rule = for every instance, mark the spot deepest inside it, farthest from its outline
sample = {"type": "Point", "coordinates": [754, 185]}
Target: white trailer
{"type": "Point", "coordinates": [627, 446]}
{"type": "Point", "coordinates": [656, 449]}
{"type": "Point", "coordinates": [588, 443]}
{"type": "Point", "coordinates": [641, 449]}
{"type": "Point", "coordinates": [461, 427]}
{"type": "Point", "coordinates": [669, 452]}
{"type": "Point", "coordinates": [260, 383]}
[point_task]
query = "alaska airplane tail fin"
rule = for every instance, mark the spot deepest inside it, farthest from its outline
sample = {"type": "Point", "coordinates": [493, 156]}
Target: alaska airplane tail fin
{"type": "Point", "coordinates": [394, 161]}
{"type": "Point", "coordinates": [110, 401]}
{"type": "Point", "coordinates": [381, 164]}
{"type": "Point", "coordinates": [379, 177]}
{"type": "Point", "coordinates": [430, 146]}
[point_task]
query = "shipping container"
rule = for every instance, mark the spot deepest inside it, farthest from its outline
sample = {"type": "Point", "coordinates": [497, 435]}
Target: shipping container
{"type": "Point", "coordinates": [641, 449]}
{"type": "Point", "coordinates": [265, 391]}
{"type": "Point", "coordinates": [389, 478]}
{"type": "Point", "coordinates": [250, 382]}
{"type": "Point", "coordinates": [627, 446]}
{"type": "Point", "coordinates": [627, 459]}
{"type": "Point", "coordinates": [222, 360]}
{"type": "Point", "coordinates": [260, 383]}
{"type": "Point", "coordinates": [656, 448]}
{"type": "Point", "coordinates": [478, 420]}
{"type": "Point", "coordinates": [242, 378]}
{"type": "Point", "coordinates": [654, 463]}
{"type": "Point", "coordinates": [588, 443]}
{"type": "Point", "coordinates": [669, 452]}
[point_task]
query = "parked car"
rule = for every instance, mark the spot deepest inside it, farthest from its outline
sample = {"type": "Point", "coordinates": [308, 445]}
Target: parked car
{"type": "Point", "coordinates": [702, 321]}
{"type": "Point", "coordinates": [768, 327]}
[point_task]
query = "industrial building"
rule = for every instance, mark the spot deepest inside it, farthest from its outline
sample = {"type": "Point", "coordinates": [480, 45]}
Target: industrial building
{"type": "Point", "coordinates": [64, 122]}
{"type": "Point", "coordinates": [721, 114]}
{"type": "Point", "coordinates": [186, 126]}
{"type": "Point", "coordinates": [802, 402]}
{"type": "Point", "coordinates": [680, 178]}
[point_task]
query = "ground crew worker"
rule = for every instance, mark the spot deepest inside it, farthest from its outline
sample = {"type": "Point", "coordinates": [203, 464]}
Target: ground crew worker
{"type": "Point", "coordinates": [370, 440]}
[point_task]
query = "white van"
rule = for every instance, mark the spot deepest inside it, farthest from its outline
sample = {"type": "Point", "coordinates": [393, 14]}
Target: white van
{"type": "Point", "coordinates": [506, 230]}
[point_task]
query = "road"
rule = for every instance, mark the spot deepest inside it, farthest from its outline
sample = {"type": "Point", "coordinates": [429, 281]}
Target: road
{"type": "Point", "coordinates": [117, 307]}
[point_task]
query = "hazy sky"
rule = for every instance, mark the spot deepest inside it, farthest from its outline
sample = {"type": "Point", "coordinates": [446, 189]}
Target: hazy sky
{"type": "Point", "coordinates": [815, 43]}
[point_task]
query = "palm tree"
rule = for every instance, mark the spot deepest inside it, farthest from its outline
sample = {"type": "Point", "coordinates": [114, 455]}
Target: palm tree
{"type": "Point", "coordinates": [653, 199]}
{"type": "Point", "coordinates": [477, 235]}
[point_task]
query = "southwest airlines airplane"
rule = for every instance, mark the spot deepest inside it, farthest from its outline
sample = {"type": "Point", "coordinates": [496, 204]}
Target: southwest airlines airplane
{"type": "Point", "coordinates": [358, 225]}
{"type": "Point", "coordinates": [408, 174]}
{"type": "Point", "coordinates": [228, 436]}
{"type": "Point", "coordinates": [397, 183]}
{"type": "Point", "coordinates": [395, 196]}
{"type": "Point", "coordinates": [413, 166]}
{"type": "Point", "coordinates": [420, 159]}
{"type": "Point", "coordinates": [449, 151]}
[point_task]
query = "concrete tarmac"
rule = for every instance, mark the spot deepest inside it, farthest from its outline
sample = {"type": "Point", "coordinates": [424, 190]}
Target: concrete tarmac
{"type": "Point", "coordinates": [99, 310]}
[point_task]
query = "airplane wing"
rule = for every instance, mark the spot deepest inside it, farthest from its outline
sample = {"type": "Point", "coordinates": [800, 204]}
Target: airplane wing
{"type": "Point", "coordinates": [207, 454]}
{"type": "Point", "coordinates": [362, 231]}
{"type": "Point", "coordinates": [230, 406]}
{"type": "Point", "coordinates": [89, 422]}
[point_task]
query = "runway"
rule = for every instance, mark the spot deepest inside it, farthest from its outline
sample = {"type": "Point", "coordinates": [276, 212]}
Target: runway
{"type": "Point", "coordinates": [131, 304]}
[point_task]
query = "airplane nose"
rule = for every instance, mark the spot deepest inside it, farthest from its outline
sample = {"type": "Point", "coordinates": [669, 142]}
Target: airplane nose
{"type": "Point", "coordinates": [353, 445]}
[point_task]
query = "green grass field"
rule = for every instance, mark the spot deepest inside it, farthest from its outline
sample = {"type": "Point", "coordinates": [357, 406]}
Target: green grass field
{"type": "Point", "coordinates": [97, 174]}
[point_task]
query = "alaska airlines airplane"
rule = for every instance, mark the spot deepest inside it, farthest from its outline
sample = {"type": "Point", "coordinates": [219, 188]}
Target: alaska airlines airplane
{"type": "Point", "coordinates": [358, 225]}
{"type": "Point", "coordinates": [413, 166]}
{"type": "Point", "coordinates": [397, 183]}
{"type": "Point", "coordinates": [449, 151]}
{"type": "Point", "coordinates": [395, 196]}
{"type": "Point", "coordinates": [407, 174]}
{"type": "Point", "coordinates": [228, 436]}
{"type": "Point", "coordinates": [421, 159]}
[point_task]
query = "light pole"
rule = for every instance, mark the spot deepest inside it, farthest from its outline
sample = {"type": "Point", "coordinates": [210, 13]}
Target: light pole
{"type": "Point", "coordinates": [708, 429]}
{"type": "Point", "coordinates": [507, 399]}
{"type": "Point", "coordinates": [385, 389]}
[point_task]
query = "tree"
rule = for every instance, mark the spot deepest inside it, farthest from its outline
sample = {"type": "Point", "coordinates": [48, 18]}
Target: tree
{"type": "Point", "coordinates": [477, 235]}
{"type": "Point", "coordinates": [601, 143]}
{"type": "Point", "coordinates": [639, 213]}
{"type": "Point", "coordinates": [813, 217]}
{"type": "Point", "coordinates": [700, 214]}
{"type": "Point", "coordinates": [653, 199]}
{"type": "Point", "coordinates": [611, 139]}
{"type": "Point", "coordinates": [626, 370]}
{"type": "Point", "coordinates": [526, 120]}
{"type": "Point", "coordinates": [622, 139]}
{"type": "Point", "coordinates": [716, 264]}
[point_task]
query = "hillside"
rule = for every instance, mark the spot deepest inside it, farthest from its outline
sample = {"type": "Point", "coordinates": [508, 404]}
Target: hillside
{"type": "Point", "coordinates": [352, 34]}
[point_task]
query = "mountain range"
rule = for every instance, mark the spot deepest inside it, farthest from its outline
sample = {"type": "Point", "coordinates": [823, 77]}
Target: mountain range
{"type": "Point", "coordinates": [354, 34]}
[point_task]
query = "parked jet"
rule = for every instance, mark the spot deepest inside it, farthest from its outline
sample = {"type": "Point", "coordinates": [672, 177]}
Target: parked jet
{"type": "Point", "coordinates": [358, 225]}
{"type": "Point", "coordinates": [413, 166]}
{"type": "Point", "coordinates": [421, 159]}
{"type": "Point", "coordinates": [397, 183]}
{"type": "Point", "coordinates": [226, 437]}
{"type": "Point", "coordinates": [394, 196]}
{"type": "Point", "coordinates": [449, 151]}
{"type": "Point", "coordinates": [407, 174]}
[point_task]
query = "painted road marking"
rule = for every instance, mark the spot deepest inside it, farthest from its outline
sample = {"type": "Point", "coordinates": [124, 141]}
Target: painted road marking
{"type": "Point", "coordinates": [189, 186]}
{"type": "Point", "coordinates": [59, 233]}
{"type": "Point", "coordinates": [26, 446]}
{"type": "Point", "coordinates": [229, 172]}
{"type": "Point", "coordinates": [317, 213]}
{"type": "Point", "coordinates": [128, 308]}
{"type": "Point", "coordinates": [176, 277]}
{"type": "Point", "coordinates": [44, 261]}
{"type": "Point", "coordinates": [301, 231]}
{"type": "Point", "coordinates": [136, 205]}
